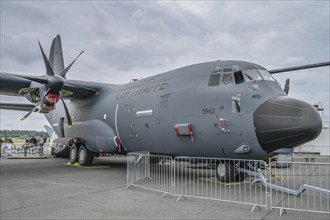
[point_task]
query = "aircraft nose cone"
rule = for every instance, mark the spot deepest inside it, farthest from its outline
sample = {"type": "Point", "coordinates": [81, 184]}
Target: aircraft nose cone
{"type": "Point", "coordinates": [283, 122]}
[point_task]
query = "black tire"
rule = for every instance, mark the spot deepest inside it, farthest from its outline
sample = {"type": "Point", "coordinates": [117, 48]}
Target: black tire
{"type": "Point", "coordinates": [85, 157]}
{"type": "Point", "coordinates": [74, 153]}
{"type": "Point", "coordinates": [225, 171]}
{"type": "Point", "coordinates": [240, 177]}
{"type": "Point", "coordinates": [154, 160]}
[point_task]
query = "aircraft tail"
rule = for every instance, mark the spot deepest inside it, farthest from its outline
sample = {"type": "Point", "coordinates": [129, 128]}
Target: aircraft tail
{"type": "Point", "coordinates": [56, 55]}
{"type": "Point", "coordinates": [49, 130]}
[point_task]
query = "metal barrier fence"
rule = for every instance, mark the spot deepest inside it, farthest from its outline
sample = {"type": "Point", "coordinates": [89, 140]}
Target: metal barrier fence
{"type": "Point", "coordinates": [292, 186]}
{"type": "Point", "coordinates": [24, 151]}
{"type": "Point", "coordinates": [306, 186]}
{"type": "Point", "coordinates": [196, 177]}
{"type": "Point", "coordinates": [151, 172]}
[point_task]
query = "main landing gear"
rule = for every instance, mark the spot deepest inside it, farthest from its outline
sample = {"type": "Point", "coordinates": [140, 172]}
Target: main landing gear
{"type": "Point", "coordinates": [80, 153]}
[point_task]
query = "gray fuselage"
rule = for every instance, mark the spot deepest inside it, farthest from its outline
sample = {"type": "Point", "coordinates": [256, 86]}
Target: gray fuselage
{"type": "Point", "coordinates": [220, 110]}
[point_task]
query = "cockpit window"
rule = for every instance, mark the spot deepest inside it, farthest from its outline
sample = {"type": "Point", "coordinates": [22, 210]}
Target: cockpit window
{"type": "Point", "coordinates": [227, 79]}
{"type": "Point", "coordinates": [266, 75]}
{"type": "Point", "coordinates": [251, 75]}
{"type": "Point", "coordinates": [238, 77]}
{"type": "Point", "coordinates": [214, 80]}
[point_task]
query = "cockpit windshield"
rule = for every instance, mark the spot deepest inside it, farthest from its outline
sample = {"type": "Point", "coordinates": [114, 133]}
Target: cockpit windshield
{"type": "Point", "coordinates": [251, 75]}
{"type": "Point", "coordinates": [230, 77]}
{"type": "Point", "coordinates": [266, 75]}
{"type": "Point", "coordinates": [257, 74]}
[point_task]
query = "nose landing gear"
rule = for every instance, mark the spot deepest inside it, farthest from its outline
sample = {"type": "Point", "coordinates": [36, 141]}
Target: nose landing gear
{"type": "Point", "coordinates": [227, 171]}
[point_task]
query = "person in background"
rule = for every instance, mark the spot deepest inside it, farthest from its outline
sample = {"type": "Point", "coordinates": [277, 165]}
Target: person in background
{"type": "Point", "coordinates": [41, 141]}
{"type": "Point", "coordinates": [33, 140]}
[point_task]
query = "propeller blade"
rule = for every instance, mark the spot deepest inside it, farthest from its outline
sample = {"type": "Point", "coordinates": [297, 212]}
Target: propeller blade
{"type": "Point", "coordinates": [49, 68]}
{"type": "Point", "coordinates": [35, 107]}
{"type": "Point", "coordinates": [37, 79]}
{"type": "Point", "coordinates": [68, 117]}
{"type": "Point", "coordinates": [71, 88]}
{"type": "Point", "coordinates": [63, 73]}
{"type": "Point", "coordinates": [29, 113]}
{"type": "Point", "coordinates": [287, 86]}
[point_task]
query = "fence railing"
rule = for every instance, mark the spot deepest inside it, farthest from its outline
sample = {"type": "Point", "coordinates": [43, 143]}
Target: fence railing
{"type": "Point", "coordinates": [26, 150]}
{"type": "Point", "coordinates": [291, 186]}
{"type": "Point", "coordinates": [197, 177]}
{"type": "Point", "coordinates": [308, 185]}
{"type": "Point", "coordinates": [150, 172]}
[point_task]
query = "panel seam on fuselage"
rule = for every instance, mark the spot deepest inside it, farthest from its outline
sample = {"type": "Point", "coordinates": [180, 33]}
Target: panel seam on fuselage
{"type": "Point", "coordinates": [116, 126]}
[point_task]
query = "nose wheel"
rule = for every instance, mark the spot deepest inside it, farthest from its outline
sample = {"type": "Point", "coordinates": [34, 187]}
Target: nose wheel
{"type": "Point", "coordinates": [226, 171]}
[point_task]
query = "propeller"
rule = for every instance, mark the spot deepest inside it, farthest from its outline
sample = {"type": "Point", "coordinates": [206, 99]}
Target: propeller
{"type": "Point", "coordinates": [54, 84]}
{"type": "Point", "coordinates": [287, 85]}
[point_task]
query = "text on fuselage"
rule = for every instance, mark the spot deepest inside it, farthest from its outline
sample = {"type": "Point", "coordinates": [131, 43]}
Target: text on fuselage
{"type": "Point", "coordinates": [154, 86]}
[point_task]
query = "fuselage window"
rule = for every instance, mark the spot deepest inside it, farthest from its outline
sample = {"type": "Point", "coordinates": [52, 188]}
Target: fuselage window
{"type": "Point", "coordinates": [238, 77]}
{"type": "Point", "coordinates": [214, 80]}
{"type": "Point", "coordinates": [227, 79]}
{"type": "Point", "coordinates": [251, 75]}
{"type": "Point", "coordinates": [266, 75]}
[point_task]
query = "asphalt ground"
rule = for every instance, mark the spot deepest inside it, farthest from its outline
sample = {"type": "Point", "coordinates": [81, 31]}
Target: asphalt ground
{"type": "Point", "coordinates": [50, 189]}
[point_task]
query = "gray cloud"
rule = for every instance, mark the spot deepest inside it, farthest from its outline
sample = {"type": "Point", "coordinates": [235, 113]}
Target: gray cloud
{"type": "Point", "coordinates": [133, 39]}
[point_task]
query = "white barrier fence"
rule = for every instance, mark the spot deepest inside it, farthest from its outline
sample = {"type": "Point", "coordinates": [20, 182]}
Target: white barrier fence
{"type": "Point", "coordinates": [151, 172]}
{"type": "Point", "coordinates": [294, 186]}
{"type": "Point", "coordinates": [26, 150]}
{"type": "Point", "coordinates": [307, 185]}
{"type": "Point", "coordinates": [196, 177]}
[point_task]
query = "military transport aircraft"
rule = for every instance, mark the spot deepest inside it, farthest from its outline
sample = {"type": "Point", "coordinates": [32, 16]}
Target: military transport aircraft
{"type": "Point", "coordinates": [222, 109]}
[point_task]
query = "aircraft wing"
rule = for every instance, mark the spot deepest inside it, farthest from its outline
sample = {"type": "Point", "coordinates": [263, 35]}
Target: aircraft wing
{"type": "Point", "coordinates": [11, 84]}
{"type": "Point", "coordinates": [309, 66]}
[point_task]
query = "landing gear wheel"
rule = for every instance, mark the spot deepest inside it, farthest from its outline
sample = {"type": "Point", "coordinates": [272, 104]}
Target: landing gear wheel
{"type": "Point", "coordinates": [85, 157]}
{"type": "Point", "coordinates": [240, 177]}
{"type": "Point", "coordinates": [225, 171]}
{"type": "Point", "coordinates": [74, 153]}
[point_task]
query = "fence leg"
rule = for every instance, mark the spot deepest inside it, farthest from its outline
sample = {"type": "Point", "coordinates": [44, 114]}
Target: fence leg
{"type": "Point", "coordinates": [254, 206]}
{"type": "Point", "coordinates": [269, 201]}
{"type": "Point", "coordinates": [167, 194]}
{"type": "Point", "coordinates": [130, 184]}
{"type": "Point", "coordinates": [181, 196]}
{"type": "Point", "coordinates": [281, 211]}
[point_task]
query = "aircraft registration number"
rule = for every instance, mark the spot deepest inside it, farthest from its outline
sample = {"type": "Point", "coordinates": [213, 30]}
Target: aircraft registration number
{"type": "Point", "coordinates": [206, 111]}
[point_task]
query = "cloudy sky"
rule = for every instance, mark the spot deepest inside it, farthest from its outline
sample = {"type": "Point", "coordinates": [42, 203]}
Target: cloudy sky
{"type": "Point", "coordinates": [123, 40]}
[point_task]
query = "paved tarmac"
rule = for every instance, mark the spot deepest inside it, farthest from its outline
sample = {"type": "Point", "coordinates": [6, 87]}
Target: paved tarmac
{"type": "Point", "coordinates": [50, 189]}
